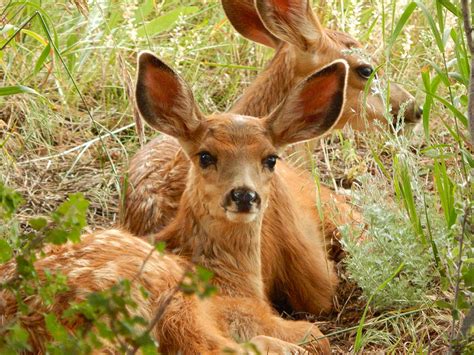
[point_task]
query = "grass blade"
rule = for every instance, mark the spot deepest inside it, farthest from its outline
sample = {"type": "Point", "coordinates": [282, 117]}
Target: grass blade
{"type": "Point", "coordinates": [17, 89]}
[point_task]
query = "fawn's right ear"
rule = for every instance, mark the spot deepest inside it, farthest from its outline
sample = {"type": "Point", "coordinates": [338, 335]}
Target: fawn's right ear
{"type": "Point", "coordinates": [243, 15]}
{"type": "Point", "coordinates": [164, 100]}
{"type": "Point", "coordinates": [312, 108]}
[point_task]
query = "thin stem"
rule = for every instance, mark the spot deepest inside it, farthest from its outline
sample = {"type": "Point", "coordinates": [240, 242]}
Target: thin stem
{"type": "Point", "coordinates": [468, 29]}
{"type": "Point", "coordinates": [467, 24]}
{"type": "Point", "coordinates": [458, 273]}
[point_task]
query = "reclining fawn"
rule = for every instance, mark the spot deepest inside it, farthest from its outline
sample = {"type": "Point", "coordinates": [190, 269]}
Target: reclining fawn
{"type": "Point", "coordinates": [235, 172]}
{"type": "Point", "coordinates": [157, 173]}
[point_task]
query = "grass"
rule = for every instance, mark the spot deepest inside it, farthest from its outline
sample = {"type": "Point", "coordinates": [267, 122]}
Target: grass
{"type": "Point", "coordinates": [67, 125]}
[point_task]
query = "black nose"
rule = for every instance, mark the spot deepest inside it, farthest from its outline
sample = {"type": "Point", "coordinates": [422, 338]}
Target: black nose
{"type": "Point", "coordinates": [419, 112]}
{"type": "Point", "coordinates": [244, 198]}
{"type": "Point", "coordinates": [243, 195]}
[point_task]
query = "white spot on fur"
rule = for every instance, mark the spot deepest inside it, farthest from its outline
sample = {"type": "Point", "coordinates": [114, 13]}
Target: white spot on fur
{"type": "Point", "coordinates": [115, 244]}
{"type": "Point", "coordinates": [108, 272]}
{"type": "Point", "coordinates": [240, 120]}
{"type": "Point", "coordinates": [73, 274]}
{"type": "Point", "coordinates": [82, 262]}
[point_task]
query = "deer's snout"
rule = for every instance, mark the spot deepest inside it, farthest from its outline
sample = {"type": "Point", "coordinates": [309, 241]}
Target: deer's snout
{"type": "Point", "coordinates": [402, 100]}
{"type": "Point", "coordinates": [242, 200]}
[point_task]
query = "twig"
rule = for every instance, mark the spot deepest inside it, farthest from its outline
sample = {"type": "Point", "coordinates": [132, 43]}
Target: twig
{"type": "Point", "coordinates": [161, 310]}
{"type": "Point", "coordinates": [346, 330]}
{"type": "Point", "coordinates": [84, 145]}
{"type": "Point", "coordinates": [468, 29]}
{"type": "Point", "coordinates": [458, 273]}
{"type": "Point", "coordinates": [467, 24]}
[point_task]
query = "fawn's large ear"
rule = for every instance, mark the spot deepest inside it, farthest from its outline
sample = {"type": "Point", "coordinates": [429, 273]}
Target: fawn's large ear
{"type": "Point", "coordinates": [292, 21]}
{"type": "Point", "coordinates": [164, 100]}
{"type": "Point", "coordinates": [312, 108]}
{"type": "Point", "coordinates": [243, 15]}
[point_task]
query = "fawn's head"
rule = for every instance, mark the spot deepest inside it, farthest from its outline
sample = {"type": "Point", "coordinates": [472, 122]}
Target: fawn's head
{"type": "Point", "coordinates": [293, 28]}
{"type": "Point", "coordinates": [234, 157]}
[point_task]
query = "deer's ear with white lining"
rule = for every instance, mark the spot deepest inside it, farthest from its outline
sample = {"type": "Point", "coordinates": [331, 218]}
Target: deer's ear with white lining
{"type": "Point", "coordinates": [164, 100]}
{"type": "Point", "coordinates": [312, 108]}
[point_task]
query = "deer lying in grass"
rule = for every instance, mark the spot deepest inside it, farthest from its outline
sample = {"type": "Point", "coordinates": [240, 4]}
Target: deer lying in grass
{"type": "Point", "coordinates": [157, 173]}
{"type": "Point", "coordinates": [234, 175]}
{"type": "Point", "coordinates": [303, 45]}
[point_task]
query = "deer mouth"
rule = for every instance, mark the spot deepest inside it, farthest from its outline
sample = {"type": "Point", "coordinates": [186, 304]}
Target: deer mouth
{"type": "Point", "coordinates": [237, 215]}
{"type": "Point", "coordinates": [241, 217]}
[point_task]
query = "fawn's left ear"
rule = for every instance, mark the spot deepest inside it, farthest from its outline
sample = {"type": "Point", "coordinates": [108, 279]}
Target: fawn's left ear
{"type": "Point", "coordinates": [312, 108]}
{"type": "Point", "coordinates": [164, 100]}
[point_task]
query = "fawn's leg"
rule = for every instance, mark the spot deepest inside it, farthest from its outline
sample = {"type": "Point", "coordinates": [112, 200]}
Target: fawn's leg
{"type": "Point", "coordinates": [300, 241]}
{"type": "Point", "coordinates": [302, 333]}
{"type": "Point", "coordinates": [271, 345]}
{"type": "Point", "coordinates": [250, 318]}
{"type": "Point", "coordinates": [187, 328]}
{"type": "Point", "coordinates": [295, 268]}
{"type": "Point", "coordinates": [305, 280]}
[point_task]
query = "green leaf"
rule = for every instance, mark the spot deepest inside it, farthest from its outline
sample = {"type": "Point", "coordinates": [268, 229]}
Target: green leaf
{"type": "Point", "coordinates": [57, 236]}
{"type": "Point", "coordinates": [446, 191]}
{"type": "Point", "coordinates": [468, 277]}
{"type": "Point", "coordinates": [450, 7]}
{"type": "Point", "coordinates": [401, 22]}
{"type": "Point", "coordinates": [204, 274]}
{"type": "Point", "coordinates": [144, 10]}
{"type": "Point", "coordinates": [6, 251]}
{"type": "Point", "coordinates": [166, 21]}
{"type": "Point", "coordinates": [10, 200]}
{"type": "Point", "coordinates": [458, 114]}
{"type": "Point", "coordinates": [56, 329]}
{"type": "Point", "coordinates": [18, 339]}
{"type": "Point", "coordinates": [35, 35]}
{"type": "Point", "coordinates": [443, 304]}
{"type": "Point", "coordinates": [38, 223]}
{"type": "Point", "coordinates": [160, 247]}
{"type": "Point", "coordinates": [41, 59]}
{"type": "Point", "coordinates": [17, 89]}
{"type": "Point", "coordinates": [432, 24]}
{"type": "Point", "coordinates": [70, 218]}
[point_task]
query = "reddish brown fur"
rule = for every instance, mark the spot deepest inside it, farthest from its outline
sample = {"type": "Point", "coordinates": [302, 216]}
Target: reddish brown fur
{"type": "Point", "coordinates": [226, 241]}
{"type": "Point", "coordinates": [157, 174]}
{"type": "Point", "coordinates": [188, 326]}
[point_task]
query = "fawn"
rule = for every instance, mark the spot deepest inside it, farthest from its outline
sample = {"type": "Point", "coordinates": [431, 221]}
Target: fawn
{"type": "Point", "coordinates": [157, 173]}
{"type": "Point", "coordinates": [234, 175]}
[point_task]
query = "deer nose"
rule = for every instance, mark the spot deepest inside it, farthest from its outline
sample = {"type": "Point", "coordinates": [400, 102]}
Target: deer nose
{"type": "Point", "coordinates": [243, 195]}
{"type": "Point", "coordinates": [244, 198]}
{"type": "Point", "coordinates": [419, 112]}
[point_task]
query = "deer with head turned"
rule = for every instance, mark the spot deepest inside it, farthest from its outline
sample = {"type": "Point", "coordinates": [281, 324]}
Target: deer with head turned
{"type": "Point", "coordinates": [303, 45]}
{"type": "Point", "coordinates": [157, 177]}
{"type": "Point", "coordinates": [235, 172]}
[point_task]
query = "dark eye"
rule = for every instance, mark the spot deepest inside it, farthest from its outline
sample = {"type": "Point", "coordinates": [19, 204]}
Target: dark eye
{"type": "Point", "coordinates": [365, 71]}
{"type": "Point", "coordinates": [270, 161]}
{"type": "Point", "coordinates": [206, 159]}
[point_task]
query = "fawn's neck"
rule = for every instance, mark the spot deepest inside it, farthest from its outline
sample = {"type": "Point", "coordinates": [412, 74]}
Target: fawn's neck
{"type": "Point", "coordinates": [270, 87]}
{"type": "Point", "coordinates": [230, 250]}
